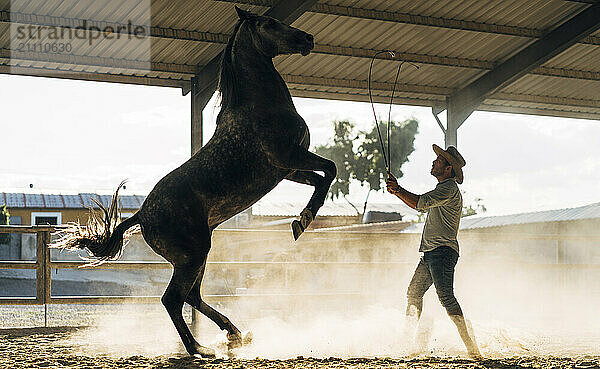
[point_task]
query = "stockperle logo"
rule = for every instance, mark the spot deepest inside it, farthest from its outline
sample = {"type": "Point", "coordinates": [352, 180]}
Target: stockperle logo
{"type": "Point", "coordinates": [81, 35]}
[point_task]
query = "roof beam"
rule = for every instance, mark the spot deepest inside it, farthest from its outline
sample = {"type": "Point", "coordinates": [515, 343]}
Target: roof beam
{"type": "Point", "coordinates": [439, 92]}
{"type": "Point", "coordinates": [186, 69]}
{"type": "Point", "coordinates": [97, 61]}
{"type": "Point", "coordinates": [297, 82]}
{"type": "Point", "coordinates": [90, 76]}
{"type": "Point", "coordinates": [363, 84]}
{"type": "Point", "coordinates": [549, 100]}
{"type": "Point", "coordinates": [437, 102]}
{"type": "Point", "coordinates": [286, 11]}
{"type": "Point", "coordinates": [407, 18]}
{"type": "Point", "coordinates": [289, 78]}
{"type": "Point", "coordinates": [462, 103]}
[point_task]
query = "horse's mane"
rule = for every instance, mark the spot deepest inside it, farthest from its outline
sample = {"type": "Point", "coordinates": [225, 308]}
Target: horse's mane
{"type": "Point", "coordinates": [227, 79]}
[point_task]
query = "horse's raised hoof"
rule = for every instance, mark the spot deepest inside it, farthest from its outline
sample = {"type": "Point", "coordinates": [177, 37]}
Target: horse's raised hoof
{"type": "Point", "coordinates": [298, 227]}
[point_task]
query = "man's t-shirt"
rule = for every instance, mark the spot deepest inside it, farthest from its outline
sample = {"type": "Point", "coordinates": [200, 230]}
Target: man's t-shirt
{"type": "Point", "coordinates": [444, 207]}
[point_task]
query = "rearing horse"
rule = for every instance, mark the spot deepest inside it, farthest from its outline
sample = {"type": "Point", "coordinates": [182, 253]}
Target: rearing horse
{"type": "Point", "coordinates": [260, 140]}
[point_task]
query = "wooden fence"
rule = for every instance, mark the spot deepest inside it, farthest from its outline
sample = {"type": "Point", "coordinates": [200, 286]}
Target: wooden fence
{"type": "Point", "coordinates": [43, 264]}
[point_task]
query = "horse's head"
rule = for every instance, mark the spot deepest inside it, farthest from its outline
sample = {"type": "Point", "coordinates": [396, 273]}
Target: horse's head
{"type": "Point", "coordinates": [272, 38]}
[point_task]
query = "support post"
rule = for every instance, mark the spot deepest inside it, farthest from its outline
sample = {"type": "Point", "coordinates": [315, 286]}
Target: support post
{"type": "Point", "coordinates": [199, 101]}
{"type": "Point", "coordinates": [40, 271]}
{"type": "Point", "coordinates": [454, 121]}
{"type": "Point", "coordinates": [43, 270]}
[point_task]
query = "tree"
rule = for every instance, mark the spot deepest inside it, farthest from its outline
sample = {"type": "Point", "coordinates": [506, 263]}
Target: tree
{"type": "Point", "coordinates": [359, 155]}
{"type": "Point", "coordinates": [4, 220]}
{"type": "Point", "coordinates": [475, 208]}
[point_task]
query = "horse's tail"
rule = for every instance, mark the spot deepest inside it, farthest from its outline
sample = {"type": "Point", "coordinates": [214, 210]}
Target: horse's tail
{"type": "Point", "coordinates": [103, 237]}
{"type": "Point", "coordinates": [113, 247]}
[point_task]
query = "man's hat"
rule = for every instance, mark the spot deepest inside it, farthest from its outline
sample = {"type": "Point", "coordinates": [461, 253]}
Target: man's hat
{"type": "Point", "coordinates": [453, 157]}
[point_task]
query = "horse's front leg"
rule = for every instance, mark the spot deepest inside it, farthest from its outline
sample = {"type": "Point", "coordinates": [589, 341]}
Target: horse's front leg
{"type": "Point", "coordinates": [304, 163]}
{"type": "Point", "coordinates": [309, 212]}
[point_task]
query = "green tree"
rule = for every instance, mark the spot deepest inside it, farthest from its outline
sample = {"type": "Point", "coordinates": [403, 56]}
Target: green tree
{"type": "Point", "coordinates": [4, 220]}
{"type": "Point", "coordinates": [359, 155]}
{"type": "Point", "coordinates": [341, 151]}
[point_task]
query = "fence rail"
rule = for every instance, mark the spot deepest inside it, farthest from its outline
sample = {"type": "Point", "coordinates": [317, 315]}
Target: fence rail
{"type": "Point", "coordinates": [43, 264]}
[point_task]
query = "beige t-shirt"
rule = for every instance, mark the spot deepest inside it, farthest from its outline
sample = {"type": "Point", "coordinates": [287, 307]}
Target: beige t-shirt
{"type": "Point", "coordinates": [444, 207]}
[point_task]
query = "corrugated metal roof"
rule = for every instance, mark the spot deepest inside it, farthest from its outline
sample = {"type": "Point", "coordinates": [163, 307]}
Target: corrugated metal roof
{"type": "Point", "coordinates": [454, 42]}
{"type": "Point", "coordinates": [591, 211]}
{"type": "Point", "coordinates": [54, 201]}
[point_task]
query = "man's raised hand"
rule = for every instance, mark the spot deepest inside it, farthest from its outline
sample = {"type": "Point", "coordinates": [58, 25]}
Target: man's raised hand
{"type": "Point", "coordinates": [391, 183]}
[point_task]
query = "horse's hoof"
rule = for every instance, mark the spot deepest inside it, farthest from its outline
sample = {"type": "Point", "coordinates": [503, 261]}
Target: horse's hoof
{"type": "Point", "coordinates": [247, 338]}
{"type": "Point", "coordinates": [297, 229]}
{"type": "Point", "coordinates": [237, 340]}
{"type": "Point", "coordinates": [203, 352]}
{"type": "Point", "coordinates": [234, 341]}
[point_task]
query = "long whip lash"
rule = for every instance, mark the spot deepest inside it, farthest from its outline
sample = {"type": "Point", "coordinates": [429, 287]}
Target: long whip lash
{"type": "Point", "coordinates": [387, 158]}
{"type": "Point", "coordinates": [373, 105]}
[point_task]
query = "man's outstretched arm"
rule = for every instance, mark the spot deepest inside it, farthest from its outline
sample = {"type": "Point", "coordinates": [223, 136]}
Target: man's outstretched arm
{"type": "Point", "coordinates": [408, 197]}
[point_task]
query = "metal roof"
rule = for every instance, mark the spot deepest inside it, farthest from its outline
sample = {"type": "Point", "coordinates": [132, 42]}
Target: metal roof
{"type": "Point", "coordinates": [52, 201]}
{"type": "Point", "coordinates": [591, 211]}
{"type": "Point", "coordinates": [453, 41]}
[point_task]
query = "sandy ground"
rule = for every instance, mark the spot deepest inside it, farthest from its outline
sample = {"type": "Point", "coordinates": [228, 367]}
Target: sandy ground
{"type": "Point", "coordinates": [52, 348]}
{"type": "Point", "coordinates": [141, 336]}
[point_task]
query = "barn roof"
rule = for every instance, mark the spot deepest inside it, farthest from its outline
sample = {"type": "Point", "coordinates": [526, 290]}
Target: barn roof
{"type": "Point", "coordinates": [454, 42]}
{"type": "Point", "coordinates": [591, 211]}
{"type": "Point", "coordinates": [14, 200]}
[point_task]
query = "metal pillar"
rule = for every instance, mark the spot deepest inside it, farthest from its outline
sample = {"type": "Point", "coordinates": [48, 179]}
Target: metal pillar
{"type": "Point", "coordinates": [199, 101]}
{"type": "Point", "coordinates": [451, 129]}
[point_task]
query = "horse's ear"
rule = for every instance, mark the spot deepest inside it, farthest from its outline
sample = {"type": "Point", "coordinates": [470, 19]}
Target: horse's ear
{"type": "Point", "coordinates": [242, 14]}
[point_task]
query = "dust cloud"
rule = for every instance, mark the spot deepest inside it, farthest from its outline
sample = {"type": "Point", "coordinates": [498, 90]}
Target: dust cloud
{"type": "Point", "coordinates": [523, 296]}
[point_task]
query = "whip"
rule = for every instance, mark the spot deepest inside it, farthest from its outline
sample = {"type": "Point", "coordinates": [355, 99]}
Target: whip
{"type": "Point", "coordinates": [387, 158]}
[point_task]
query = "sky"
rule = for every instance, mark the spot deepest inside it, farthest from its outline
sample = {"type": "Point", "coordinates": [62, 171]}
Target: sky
{"type": "Point", "coordinates": [66, 136]}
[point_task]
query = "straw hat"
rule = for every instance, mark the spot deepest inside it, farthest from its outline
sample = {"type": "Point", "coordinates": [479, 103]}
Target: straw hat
{"type": "Point", "coordinates": [454, 158]}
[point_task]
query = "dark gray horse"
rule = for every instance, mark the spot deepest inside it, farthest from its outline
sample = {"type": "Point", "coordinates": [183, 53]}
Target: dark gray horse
{"type": "Point", "coordinates": [260, 140]}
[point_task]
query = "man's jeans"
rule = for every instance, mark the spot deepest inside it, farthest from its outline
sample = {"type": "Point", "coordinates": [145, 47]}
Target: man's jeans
{"type": "Point", "coordinates": [436, 267]}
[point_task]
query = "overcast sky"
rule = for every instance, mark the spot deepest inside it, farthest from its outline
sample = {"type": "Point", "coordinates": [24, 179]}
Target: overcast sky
{"type": "Point", "coordinates": [67, 136]}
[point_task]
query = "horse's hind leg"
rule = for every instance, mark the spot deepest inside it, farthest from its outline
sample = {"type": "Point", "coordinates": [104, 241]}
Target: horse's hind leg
{"type": "Point", "coordinates": [194, 298]}
{"type": "Point", "coordinates": [182, 281]}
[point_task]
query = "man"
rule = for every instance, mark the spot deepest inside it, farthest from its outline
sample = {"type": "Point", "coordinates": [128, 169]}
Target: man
{"type": "Point", "coordinates": [438, 242]}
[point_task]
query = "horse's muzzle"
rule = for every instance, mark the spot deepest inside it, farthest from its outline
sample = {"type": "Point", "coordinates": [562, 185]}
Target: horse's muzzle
{"type": "Point", "coordinates": [307, 41]}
